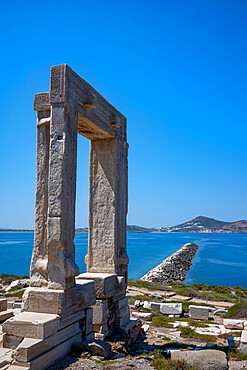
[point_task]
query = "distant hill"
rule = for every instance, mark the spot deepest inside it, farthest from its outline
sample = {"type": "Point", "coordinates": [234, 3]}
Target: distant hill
{"type": "Point", "coordinates": [199, 224]}
{"type": "Point", "coordinates": [202, 224]}
{"type": "Point", "coordinates": [140, 229]}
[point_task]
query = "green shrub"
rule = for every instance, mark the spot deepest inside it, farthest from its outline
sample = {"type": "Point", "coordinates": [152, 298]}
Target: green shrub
{"type": "Point", "coordinates": [237, 311]}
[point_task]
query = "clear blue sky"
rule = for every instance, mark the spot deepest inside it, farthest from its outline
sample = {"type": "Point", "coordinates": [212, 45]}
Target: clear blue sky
{"type": "Point", "coordinates": [176, 70]}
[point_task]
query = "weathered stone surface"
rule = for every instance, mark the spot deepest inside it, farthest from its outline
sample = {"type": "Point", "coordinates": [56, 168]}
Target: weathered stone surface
{"type": "Point", "coordinates": [100, 312]}
{"type": "Point", "coordinates": [31, 325]}
{"type": "Point", "coordinates": [106, 285]}
{"type": "Point", "coordinates": [129, 325]}
{"type": "Point", "coordinates": [3, 304]}
{"type": "Point", "coordinates": [95, 347]}
{"type": "Point", "coordinates": [108, 172]}
{"type": "Point", "coordinates": [48, 358]}
{"type": "Point", "coordinates": [142, 315]}
{"type": "Point", "coordinates": [171, 308]}
{"type": "Point", "coordinates": [220, 312]}
{"type": "Point", "coordinates": [243, 342]}
{"type": "Point", "coordinates": [11, 341]}
{"type": "Point", "coordinates": [56, 302]}
{"type": "Point", "coordinates": [121, 303]}
{"type": "Point", "coordinates": [174, 267]}
{"type": "Point", "coordinates": [30, 348]}
{"type": "Point", "coordinates": [244, 337]}
{"type": "Point", "coordinates": [198, 312]}
{"type": "Point", "coordinates": [123, 312]}
{"type": "Point", "coordinates": [203, 360]}
{"type": "Point", "coordinates": [233, 324]}
{"type": "Point", "coordinates": [4, 315]}
{"type": "Point", "coordinates": [5, 356]}
{"type": "Point", "coordinates": [154, 306]}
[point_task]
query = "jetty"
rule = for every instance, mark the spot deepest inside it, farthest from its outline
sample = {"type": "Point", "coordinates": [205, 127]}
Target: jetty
{"type": "Point", "coordinates": [174, 267]}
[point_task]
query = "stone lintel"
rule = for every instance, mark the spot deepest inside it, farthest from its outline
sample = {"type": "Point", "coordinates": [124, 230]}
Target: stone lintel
{"type": "Point", "coordinates": [68, 87]}
{"type": "Point", "coordinates": [41, 102]}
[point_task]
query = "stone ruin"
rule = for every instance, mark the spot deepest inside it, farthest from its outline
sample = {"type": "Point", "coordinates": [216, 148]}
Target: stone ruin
{"type": "Point", "coordinates": [61, 307]}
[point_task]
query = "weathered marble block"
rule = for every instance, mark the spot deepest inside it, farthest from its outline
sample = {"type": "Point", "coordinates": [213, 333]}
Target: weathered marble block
{"type": "Point", "coordinates": [106, 285]}
{"type": "Point", "coordinates": [171, 308]}
{"type": "Point", "coordinates": [3, 304]}
{"type": "Point", "coordinates": [31, 325]}
{"type": "Point", "coordinates": [198, 312]}
{"type": "Point", "coordinates": [233, 324]}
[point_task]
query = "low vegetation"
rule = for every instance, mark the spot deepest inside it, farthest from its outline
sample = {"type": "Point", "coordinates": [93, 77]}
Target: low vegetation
{"type": "Point", "coordinates": [161, 363]}
{"type": "Point", "coordinates": [237, 311]}
{"type": "Point", "coordinates": [202, 291]}
{"type": "Point", "coordinates": [235, 354]}
{"type": "Point", "coordinates": [188, 332]}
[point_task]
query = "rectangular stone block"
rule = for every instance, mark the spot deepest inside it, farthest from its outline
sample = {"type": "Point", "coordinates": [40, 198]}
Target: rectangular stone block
{"type": "Point", "coordinates": [154, 306]}
{"type": "Point", "coordinates": [119, 295]}
{"type": "Point", "coordinates": [71, 319]}
{"type": "Point", "coordinates": [86, 287]}
{"type": "Point", "coordinates": [30, 348]}
{"type": "Point", "coordinates": [171, 308]}
{"type": "Point", "coordinates": [123, 312]}
{"type": "Point", "coordinates": [233, 324]}
{"type": "Point", "coordinates": [11, 341]}
{"type": "Point", "coordinates": [48, 358]}
{"type": "Point", "coordinates": [244, 337]}
{"type": "Point", "coordinates": [120, 321]}
{"type": "Point", "coordinates": [89, 316]}
{"type": "Point", "coordinates": [50, 301]}
{"type": "Point", "coordinates": [198, 312]}
{"type": "Point", "coordinates": [121, 303]}
{"type": "Point", "coordinates": [32, 325]}
{"type": "Point", "coordinates": [10, 305]}
{"type": "Point", "coordinates": [4, 315]}
{"type": "Point", "coordinates": [3, 304]}
{"type": "Point", "coordinates": [129, 325]}
{"type": "Point", "coordinates": [105, 284]}
{"type": "Point", "coordinates": [100, 312]}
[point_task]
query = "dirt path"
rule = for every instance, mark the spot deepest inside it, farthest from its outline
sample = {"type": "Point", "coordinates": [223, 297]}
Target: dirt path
{"type": "Point", "coordinates": [133, 291]}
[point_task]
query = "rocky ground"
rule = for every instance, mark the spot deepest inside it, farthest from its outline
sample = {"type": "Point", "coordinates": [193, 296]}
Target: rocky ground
{"type": "Point", "coordinates": [156, 335]}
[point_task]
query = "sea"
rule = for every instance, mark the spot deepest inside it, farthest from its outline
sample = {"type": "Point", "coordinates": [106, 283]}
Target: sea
{"type": "Point", "coordinates": [220, 259]}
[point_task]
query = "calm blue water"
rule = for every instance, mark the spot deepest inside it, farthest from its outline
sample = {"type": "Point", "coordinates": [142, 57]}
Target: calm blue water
{"type": "Point", "coordinates": [220, 259]}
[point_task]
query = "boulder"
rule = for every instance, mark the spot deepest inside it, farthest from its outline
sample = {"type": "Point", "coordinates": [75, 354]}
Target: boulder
{"type": "Point", "coordinates": [94, 346]}
{"type": "Point", "coordinates": [208, 359]}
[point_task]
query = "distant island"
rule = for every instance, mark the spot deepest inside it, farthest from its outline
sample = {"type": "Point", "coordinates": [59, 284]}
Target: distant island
{"type": "Point", "coordinates": [199, 224]}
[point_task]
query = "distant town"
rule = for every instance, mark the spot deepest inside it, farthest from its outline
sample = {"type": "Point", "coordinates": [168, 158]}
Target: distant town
{"type": "Point", "coordinates": [199, 224]}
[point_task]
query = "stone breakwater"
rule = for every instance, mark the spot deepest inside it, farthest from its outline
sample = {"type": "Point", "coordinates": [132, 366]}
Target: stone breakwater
{"type": "Point", "coordinates": [174, 267]}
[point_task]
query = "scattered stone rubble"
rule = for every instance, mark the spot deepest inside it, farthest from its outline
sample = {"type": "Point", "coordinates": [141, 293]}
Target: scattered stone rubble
{"type": "Point", "coordinates": [174, 267]}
